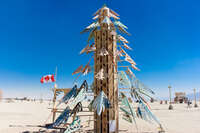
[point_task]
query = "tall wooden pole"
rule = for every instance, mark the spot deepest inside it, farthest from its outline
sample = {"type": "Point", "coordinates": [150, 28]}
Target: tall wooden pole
{"type": "Point", "coordinates": [170, 99]}
{"type": "Point", "coordinates": [195, 99]}
{"type": "Point", "coordinates": [105, 38]}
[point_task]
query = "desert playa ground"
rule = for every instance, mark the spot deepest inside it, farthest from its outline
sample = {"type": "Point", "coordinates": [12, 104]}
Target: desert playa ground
{"type": "Point", "coordinates": [18, 117]}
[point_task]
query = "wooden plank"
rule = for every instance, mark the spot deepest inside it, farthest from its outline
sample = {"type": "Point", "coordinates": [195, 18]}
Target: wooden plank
{"type": "Point", "coordinates": [98, 87]}
{"type": "Point", "coordinates": [110, 80]}
{"type": "Point", "coordinates": [54, 101]}
{"type": "Point", "coordinates": [54, 110]}
{"type": "Point", "coordinates": [114, 79]}
{"type": "Point", "coordinates": [100, 81]}
{"type": "Point", "coordinates": [65, 90]}
{"type": "Point", "coordinates": [115, 85]}
{"type": "Point", "coordinates": [107, 79]}
{"type": "Point", "coordinates": [104, 64]}
{"type": "Point", "coordinates": [95, 80]}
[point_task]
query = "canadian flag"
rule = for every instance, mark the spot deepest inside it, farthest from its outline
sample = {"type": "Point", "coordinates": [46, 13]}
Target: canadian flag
{"type": "Point", "coordinates": [47, 78]}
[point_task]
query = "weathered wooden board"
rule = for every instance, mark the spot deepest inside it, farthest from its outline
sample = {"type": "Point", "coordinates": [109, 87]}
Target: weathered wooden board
{"type": "Point", "coordinates": [104, 39]}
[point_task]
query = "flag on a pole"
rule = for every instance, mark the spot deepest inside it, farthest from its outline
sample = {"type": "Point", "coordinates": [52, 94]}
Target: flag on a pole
{"type": "Point", "coordinates": [47, 79]}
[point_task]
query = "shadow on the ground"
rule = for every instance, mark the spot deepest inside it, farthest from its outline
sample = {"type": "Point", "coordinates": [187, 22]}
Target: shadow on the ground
{"type": "Point", "coordinates": [41, 132]}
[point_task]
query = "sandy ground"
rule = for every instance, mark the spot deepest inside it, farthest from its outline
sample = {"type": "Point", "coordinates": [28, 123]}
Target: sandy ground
{"type": "Point", "coordinates": [17, 117]}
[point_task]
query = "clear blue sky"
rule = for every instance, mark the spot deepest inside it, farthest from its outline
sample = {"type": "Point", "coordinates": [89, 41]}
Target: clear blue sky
{"type": "Point", "coordinates": [38, 35]}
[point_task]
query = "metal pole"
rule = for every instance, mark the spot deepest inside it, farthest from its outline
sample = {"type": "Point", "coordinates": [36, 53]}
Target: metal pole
{"type": "Point", "coordinates": [54, 96]}
{"type": "Point", "coordinates": [170, 105]}
{"type": "Point", "coordinates": [195, 99]}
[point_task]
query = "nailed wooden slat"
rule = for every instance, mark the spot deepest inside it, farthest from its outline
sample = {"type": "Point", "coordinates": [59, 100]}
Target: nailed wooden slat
{"type": "Point", "coordinates": [115, 84]}
{"type": "Point", "coordinates": [97, 86]}
{"type": "Point", "coordinates": [110, 80]}
{"type": "Point", "coordinates": [104, 114]}
{"type": "Point", "coordinates": [100, 82]}
{"type": "Point", "coordinates": [95, 41]}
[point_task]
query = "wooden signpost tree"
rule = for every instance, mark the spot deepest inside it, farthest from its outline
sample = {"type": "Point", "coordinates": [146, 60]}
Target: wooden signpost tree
{"type": "Point", "coordinates": [107, 48]}
{"type": "Point", "coordinates": [107, 45]}
{"type": "Point", "coordinates": [105, 38]}
{"type": "Point", "coordinates": [104, 34]}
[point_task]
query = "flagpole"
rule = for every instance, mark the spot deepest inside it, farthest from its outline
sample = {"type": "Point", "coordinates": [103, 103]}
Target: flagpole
{"type": "Point", "coordinates": [54, 97]}
{"type": "Point", "coordinates": [56, 74]}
